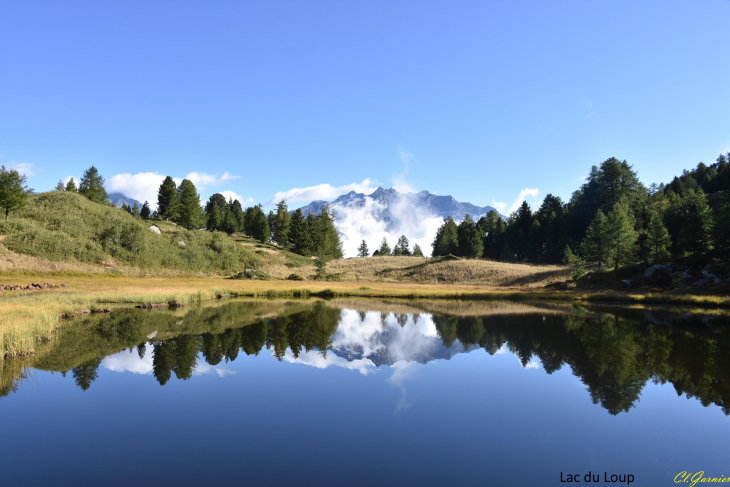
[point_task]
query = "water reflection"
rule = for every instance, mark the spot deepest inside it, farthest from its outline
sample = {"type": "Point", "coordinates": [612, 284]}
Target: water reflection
{"type": "Point", "coordinates": [614, 352]}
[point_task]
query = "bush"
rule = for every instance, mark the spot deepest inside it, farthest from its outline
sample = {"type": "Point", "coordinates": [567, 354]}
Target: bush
{"type": "Point", "coordinates": [295, 277]}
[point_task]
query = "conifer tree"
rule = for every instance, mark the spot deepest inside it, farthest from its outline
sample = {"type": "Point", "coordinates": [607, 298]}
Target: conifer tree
{"type": "Point", "coordinates": [397, 252]}
{"type": "Point", "coordinates": [403, 245]}
{"type": "Point", "coordinates": [237, 211]}
{"type": "Point", "coordinates": [329, 241]}
{"type": "Point", "coordinates": [262, 230]}
{"type": "Point", "coordinates": [229, 223]}
{"type": "Point", "coordinates": [189, 211]}
{"type": "Point", "coordinates": [417, 252]}
{"type": "Point", "coordinates": [214, 216]}
{"type": "Point", "coordinates": [92, 186]}
{"type": "Point", "coordinates": [595, 245]}
{"type": "Point", "coordinates": [470, 238]}
{"type": "Point", "coordinates": [60, 186]}
{"type": "Point", "coordinates": [447, 240]}
{"type": "Point", "coordinates": [657, 239]}
{"type": "Point", "coordinates": [697, 226]}
{"type": "Point", "coordinates": [167, 199]}
{"type": "Point", "coordinates": [71, 186]}
{"type": "Point", "coordinates": [280, 229]}
{"type": "Point", "coordinates": [362, 250]}
{"type": "Point", "coordinates": [299, 239]}
{"type": "Point", "coordinates": [135, 210]}
{"type": "Point", "coordinates": [722, 225]}
{"type": "Point", "coordinates": [384, 249]}
{"type": "Point", "coordinates": [125, 207]}
{"type": "Point", "coordinates": [13, 190]}
{"type": "Point", "coordinates": [621, 235]}
{"type": "Point", "coordinates": [145, 211]}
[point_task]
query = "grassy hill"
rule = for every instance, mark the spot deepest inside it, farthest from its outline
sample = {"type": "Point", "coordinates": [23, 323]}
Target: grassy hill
{"type": "Point", "coordinates": [65, 231]}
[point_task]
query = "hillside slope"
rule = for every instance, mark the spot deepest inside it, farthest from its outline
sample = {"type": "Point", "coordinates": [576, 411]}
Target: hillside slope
{"type": "Point", "coordinates": [66, 227]}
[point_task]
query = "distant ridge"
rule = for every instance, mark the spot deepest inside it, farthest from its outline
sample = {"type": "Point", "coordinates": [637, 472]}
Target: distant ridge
{"type": "Point", "coordinates": [442, 206]}
{"type": "Point", "coordinates": [118, 199]}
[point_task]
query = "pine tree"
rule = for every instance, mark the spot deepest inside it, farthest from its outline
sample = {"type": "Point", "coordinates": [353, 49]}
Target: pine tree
{"type": "Point", "coordinates": [92, 186]}
{"type": "Point", "coordinates": [403, 245]}
{"type": "Point", "coordinates": [229, 223]}
{"type": "Point", "coordinates": [125, 207]}
{"type": "Point", "coordinates": [135, 210]}
{"type": "Point", "coordinates": [697, 226]}
{"type": "Point", "coordinates": [596, 245]}
{"type": "Point", "coordinates": [71, 186]}
{"type": "Point", "coordinates": [280, 229]}
{"type": "Point", "coordinates": [470, 238]}
{"type": "Point", "coordinates": [167, 199]}
{"type": "Point", "coordinates": [189, 211]}
{"type": "Point", "coordinates": [621, 235]}
{"type": "Point", "coordinates": [60, 186]}
{"type": "Point", "coordinates": [299, 239]}
{"type": "Point", "coordinates": [13, 190]}
{"type": "Point", "coordinates": [214, 217]}
{"type": "Point", "coordinates": [362, 250]}
{"type": "Point", "coordinates": [262, 230]}
{"type": "Point", "coordinates": [397, 252]}
{"type": "Point", "coordinates": [384, 249]}
{"type": "Point", "coordinates": [417, 252]}
{"type": "Point", "coordinates": [237, 211]}
{"type": "Point", "coordinates": [658, 239]}
{"type": "Point", "coordinates": [447, 240]}
{"type": "Point", "coordinates": [722, 225]}
{"type": "Point", "coordinates": [145, 211]}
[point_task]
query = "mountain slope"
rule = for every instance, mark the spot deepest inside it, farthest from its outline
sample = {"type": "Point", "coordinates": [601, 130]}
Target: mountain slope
{"type": "Point", "coordinates": [385, 202]}
{"type": "Point", "coordinates": [118, 199]}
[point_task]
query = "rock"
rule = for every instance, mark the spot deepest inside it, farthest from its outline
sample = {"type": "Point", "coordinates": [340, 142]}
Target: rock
{"type": "Point", "coordinates": [706, 281]}
{"type": "Point", "coordinates": [649, 273]}
{"type": "Point", "coordinates": [181, 244]}
{"type": "Point", "coordinates": [156, 229]}
{"type": "Point", "coordinates": [627, 282]}
{"type": "Point", "coordinates": [708, 274]}
{"type": "Point", "coordinates": [54, 266]}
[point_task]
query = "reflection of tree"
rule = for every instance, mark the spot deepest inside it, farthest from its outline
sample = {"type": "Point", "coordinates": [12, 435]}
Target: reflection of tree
{"type": "Point", "coordinates": [86, 373]}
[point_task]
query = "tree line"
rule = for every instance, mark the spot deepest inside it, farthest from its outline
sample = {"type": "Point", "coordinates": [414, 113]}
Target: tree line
{"type": "Point", "coordinates": [611, 220]}
{"type": "Point", "coordinates": [401, 248]}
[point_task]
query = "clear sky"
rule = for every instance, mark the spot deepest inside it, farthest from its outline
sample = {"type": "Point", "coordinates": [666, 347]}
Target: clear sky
{"type": "Point", "coordinates": [479, 100]}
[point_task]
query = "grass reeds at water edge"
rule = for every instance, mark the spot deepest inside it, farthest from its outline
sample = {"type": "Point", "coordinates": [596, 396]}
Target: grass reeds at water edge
{"type": "Point", "coordinates": [27, 318]}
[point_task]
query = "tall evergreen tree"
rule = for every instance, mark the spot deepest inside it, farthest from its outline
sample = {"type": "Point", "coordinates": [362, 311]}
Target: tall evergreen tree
{"type": "Point", "coordinates": [145, 211]}
{"type": "Point", "coordinates": [384, 249]}
{"type": "Point", "coordinates": [397, 252]}
{"type": "Point", "coordinates": [722, 225]}
{"type": "Point", "coordinates": [299, 239]}
{"type": "Point", "coordinates": [13, 190]}
{"type": "Point", "coordinates": [237, 212]}
{"type": "Point", "coordinates": [280, 229]}
{"type": "Point", "coordinates": [262, 232]}
{"type": "Point", "coordinates": [71, 186]}
{"type": "Point", "coordinates": [362, 250]}
{"type": "Point", "coordinates": [596, 243]}
{"type": "Point", "coordinates": [167, 199]}
{"type": "Point", "coordinates": [214, 217]}
{"type": "Point", "coordinates": [697, 225]}
{"type": "Point", "coordinates": [470, 238]}
{"type": "Point", "coordinates": [189, 212]}
{"type": "Point", "coordinates": [60, 186]}
{"type": "Point", "coordinates": [135, 210]}
{"type": "Point", "coordinates": [447, 240]}
{"type": "Point", "coordinates": [403, 245]}
{"type": "Point", "coordinates": [658, 240]}
{"type": "Point", "coordinates": [621, 235]}
{"type": "Point", "coordinates": [92, 186]}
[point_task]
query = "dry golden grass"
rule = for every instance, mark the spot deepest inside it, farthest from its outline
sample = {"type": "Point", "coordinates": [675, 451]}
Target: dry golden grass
{"type": "Point", "coordinates": [428, 271]}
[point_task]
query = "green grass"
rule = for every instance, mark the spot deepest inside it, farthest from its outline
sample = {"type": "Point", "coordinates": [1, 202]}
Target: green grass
{"type": "Point", "coordinates": [64, 226]}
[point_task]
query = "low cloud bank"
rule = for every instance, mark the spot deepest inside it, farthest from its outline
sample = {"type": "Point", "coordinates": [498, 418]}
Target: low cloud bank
{"type": "Point", "coordinates": [323, 192]}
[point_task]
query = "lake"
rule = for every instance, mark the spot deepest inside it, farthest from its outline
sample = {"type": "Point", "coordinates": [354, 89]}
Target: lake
{"type": "Point", "coordinates": [360, 392]}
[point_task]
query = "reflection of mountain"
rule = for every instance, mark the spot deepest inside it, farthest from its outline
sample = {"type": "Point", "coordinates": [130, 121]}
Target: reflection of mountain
{"type": "Point", "coordinates": [387, 199]}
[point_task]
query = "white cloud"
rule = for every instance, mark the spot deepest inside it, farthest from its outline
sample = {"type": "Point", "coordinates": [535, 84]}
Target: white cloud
{"type": "Point", "coordinates": [231, 195]}
{"type": "Point", "coordinates": [142, 186]}
{"type": "Point", "coordinates": [324, 191]}
{"type": "Point", "coordinates": [68, 178]}
{"type": "Point", "coordinates": [22, 168]}
{"type": "Point", "coordinates": [531, 192]}
{"type": "Point", "coordinates": [201, 179]}
{"type": "Point", "coordinates": [499, 206]}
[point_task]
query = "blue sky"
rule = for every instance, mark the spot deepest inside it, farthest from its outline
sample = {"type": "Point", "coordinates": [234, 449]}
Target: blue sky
{"type": "Point", "coordinates": [479, 100]}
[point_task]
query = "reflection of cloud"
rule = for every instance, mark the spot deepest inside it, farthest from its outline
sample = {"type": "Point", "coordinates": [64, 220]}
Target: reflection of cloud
{"type": "Point", "coordinates": [402, 371]}
{"type": "Point", "coordinates": [129, 362]}
{"type": "Point", "coordinates": [201, 367]}
{"type": "Point", "coordinates": [315, 359]}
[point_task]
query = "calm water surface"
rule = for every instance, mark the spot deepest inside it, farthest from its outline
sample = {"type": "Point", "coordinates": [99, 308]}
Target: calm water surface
{"type": "Point", "coordinates": [370, 393]}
